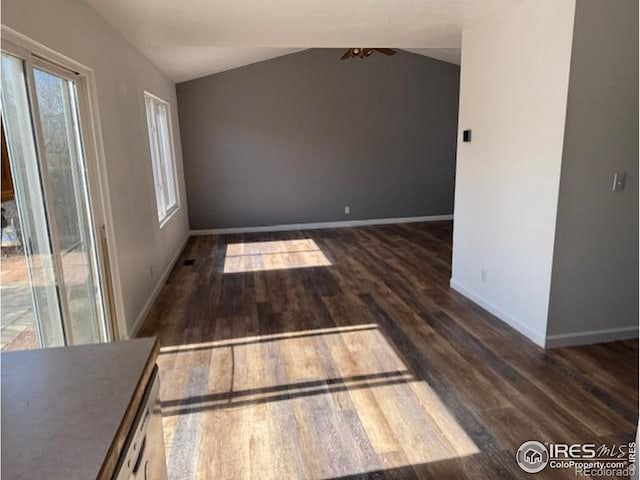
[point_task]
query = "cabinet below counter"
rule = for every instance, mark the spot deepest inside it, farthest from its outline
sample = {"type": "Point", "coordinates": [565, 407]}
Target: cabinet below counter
{"type": "Point", "coordinates": [78, 412]}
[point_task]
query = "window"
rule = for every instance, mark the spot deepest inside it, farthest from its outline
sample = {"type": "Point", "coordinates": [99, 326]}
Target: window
{"type": "Point", "coordinates": [161, 145]}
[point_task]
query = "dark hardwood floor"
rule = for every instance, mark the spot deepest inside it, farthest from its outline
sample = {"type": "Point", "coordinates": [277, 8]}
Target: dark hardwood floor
{"type": "Point", "coordinates": [344, 354]}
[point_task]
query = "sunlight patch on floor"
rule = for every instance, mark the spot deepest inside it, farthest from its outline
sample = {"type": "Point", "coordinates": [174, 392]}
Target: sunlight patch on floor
{"type": "Point", "coordinates": [230, 342]}
{"type": "Point", "coordinates": [300, 391]}
{"type": "Point", "coordinates": [273, 255]}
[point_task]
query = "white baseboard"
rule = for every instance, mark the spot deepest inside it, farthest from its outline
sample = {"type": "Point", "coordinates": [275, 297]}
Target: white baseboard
{"type": "Point", "coordinates": [156, 291]}
{"type": "Point", "coordinates": [591, 336]}
{"type": "Point", "coordinates": [498, 312]}
{"type": "Point", "coordinates": [319, 225]}
{"type": "Point", "coordinates": [550, 341]}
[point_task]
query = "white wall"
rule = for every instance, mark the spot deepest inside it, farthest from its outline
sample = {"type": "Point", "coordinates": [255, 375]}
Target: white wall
{"type": "Point", "coordinates": [513, 92]}
{"type": "Point", "coordinates": [594, 289]}
{"type": "Point", "coordinates": [72, 28]}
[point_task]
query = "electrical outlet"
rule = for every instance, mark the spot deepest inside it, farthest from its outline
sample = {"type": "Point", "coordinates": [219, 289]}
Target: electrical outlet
{"type": "Point", "coordinates": [347, 210]}
{"type": "Point", "coordinates": [483, 275]}
{"type": "Point", "coordinates": [619, 179]}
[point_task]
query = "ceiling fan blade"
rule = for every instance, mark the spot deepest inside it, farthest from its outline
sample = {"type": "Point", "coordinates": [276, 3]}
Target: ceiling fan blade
{"type": "Point", "coordinates": [365, 52]}
{"type": "Point", "coordinates": [386, 51]}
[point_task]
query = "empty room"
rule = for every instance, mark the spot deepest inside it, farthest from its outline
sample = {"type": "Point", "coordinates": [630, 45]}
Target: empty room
{"type": "Point", "coordinates": [319, 240]}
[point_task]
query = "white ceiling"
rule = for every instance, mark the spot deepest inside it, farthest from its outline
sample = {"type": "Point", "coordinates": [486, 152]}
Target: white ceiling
{"type": "Point", "coordinates": [186, 63]}
{"type": "Point", "coordinates": [190, 38]}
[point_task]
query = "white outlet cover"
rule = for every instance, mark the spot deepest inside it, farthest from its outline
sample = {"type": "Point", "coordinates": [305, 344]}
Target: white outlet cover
{"type": "Point", "coordinates": [619, 180]}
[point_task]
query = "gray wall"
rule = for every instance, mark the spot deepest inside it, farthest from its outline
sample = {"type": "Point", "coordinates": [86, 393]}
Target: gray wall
{"type": "Point", "coordinates": [595, 269]}
{"type": "Point", "coordinates": [296, 138]}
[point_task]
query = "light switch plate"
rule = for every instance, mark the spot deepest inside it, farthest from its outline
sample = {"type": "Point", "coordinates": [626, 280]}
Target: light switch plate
{"type": "Point", "coordinates": [619, 179]}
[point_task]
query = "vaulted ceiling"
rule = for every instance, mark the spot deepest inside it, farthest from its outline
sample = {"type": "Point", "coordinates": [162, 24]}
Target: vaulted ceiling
{"type": "Point", "coordinates": [191, 38]}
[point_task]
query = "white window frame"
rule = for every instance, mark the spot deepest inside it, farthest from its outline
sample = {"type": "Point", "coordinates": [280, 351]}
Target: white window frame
{"type": "Point", "coordinates": [158, 163]}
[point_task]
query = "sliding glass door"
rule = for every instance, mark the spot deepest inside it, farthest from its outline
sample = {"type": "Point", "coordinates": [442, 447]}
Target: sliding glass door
{"type": "Point", "coordinates": [40, 113]}
{"type": "Point", "coordinates": [34, 242]}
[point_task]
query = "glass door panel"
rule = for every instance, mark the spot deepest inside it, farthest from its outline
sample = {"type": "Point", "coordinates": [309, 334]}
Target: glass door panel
{"type": "Point", "coordinates": [52, 254]}
{"type": "Point", "coordinates": [62, 153]}
{"type": "Point", "coordinates": [39, 279]}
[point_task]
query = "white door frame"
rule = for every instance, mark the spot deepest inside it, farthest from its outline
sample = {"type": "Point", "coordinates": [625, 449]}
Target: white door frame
{"type": "Point", "coordinates": [22, 46]}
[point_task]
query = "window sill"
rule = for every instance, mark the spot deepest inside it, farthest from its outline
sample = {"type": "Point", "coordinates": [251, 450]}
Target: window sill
{"type": "Point", "coordinates": [169, 216]}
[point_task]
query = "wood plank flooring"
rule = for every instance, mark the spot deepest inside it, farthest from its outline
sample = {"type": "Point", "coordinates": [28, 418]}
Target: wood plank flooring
{"type": "Point", "coordinates": [344, 354]}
